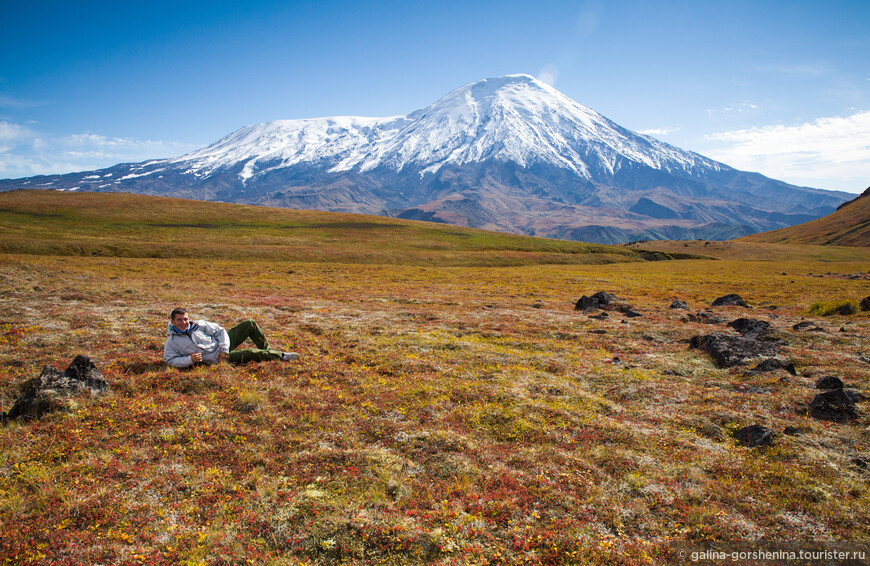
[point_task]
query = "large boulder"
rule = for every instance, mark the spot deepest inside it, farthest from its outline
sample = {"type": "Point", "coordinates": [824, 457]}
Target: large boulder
{"type": "Point", "coordinates": [730, 351]}
{"type": "Point", "coordinates": [704, 317]}
{"type": "Point", "coordinates": [597, 301]}
{"type": "Point", "coordinates": [54, 389]}
{"type": "Point", "coordinates": [833, 405]}
{"type": "Point", "coordinates": [829, 382]}
{"type": "Point", "coordinates": [773, 364]}
{"type": "Point", "coordinates": [750, 327]}
{"type": "Point", "coordinates": [730, 300]}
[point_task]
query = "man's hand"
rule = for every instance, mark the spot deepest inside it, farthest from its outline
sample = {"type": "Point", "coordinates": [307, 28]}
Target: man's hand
{"type": "Point", "coordinates": [196, 358]}
{"type": "Point", "coordinates": [223, 356]}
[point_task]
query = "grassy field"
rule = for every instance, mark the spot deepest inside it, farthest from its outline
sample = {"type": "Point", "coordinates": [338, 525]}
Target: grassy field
{"type": "Point", "coordinates": [450, 406]}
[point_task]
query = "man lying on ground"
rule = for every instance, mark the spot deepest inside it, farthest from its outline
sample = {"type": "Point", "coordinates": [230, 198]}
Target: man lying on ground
{"type": "Point", "coordinates": [193, 342]}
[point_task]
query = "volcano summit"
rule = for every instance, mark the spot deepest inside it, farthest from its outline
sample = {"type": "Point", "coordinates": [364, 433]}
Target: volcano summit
{"type": "Point", "coordinates": [510, 154]}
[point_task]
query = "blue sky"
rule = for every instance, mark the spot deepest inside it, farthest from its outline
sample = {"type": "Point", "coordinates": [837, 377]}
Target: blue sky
{"type": "Point", "coordinates": [780, 87]}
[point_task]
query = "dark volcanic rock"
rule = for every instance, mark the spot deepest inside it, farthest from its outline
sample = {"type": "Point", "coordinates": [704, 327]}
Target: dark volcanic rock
{"type": "Point", "coordinates": [846, 310]}
{"type": "Point", "coordinates": [705, 317]}
{"type": "Point", "coordinates": [53, 389]}
{"type": "Point", "coordinates": [730, 300]}
{"type": "Point", "coordinates": [678, 304]}
{"type": "Point", "coordinates": [750, 327]}
{"type": "Point", "coordinates": [630, 313]}
{"type": "Point", "coordinates": [730, 351]}
{"type": "Point", "coordinates": [597, 301]}
{"type": "Point", "coordinates": [833, 405]}
{"type": "Point", "coordinates": [755, 435]}
{"type": "Point", "coordinates": [829, 382]}
{"type": "Point", "coordinates": [865, 304]}
{"type": "Point", "coordinates": [774, 364]}
{"type": "Point", "coordinates": [803, 324]}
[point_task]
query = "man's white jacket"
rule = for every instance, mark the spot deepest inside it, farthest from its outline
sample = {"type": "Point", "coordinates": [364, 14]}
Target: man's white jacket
{"type": "Point", "coordinates": [207, 338]}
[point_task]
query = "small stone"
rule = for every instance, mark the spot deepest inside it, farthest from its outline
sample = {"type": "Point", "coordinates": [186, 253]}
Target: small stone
{"type": "Point", "coordinates": [631, 314]}
{"type": "Point", "coordinates": [846, 310]}
{"type": "Point", "coordinates": [802, 325]}
{"type": "Point", "coordinates": [678, 304]}
{"type": "Point", "coordinates": [793, 430]}
{"type": "Point", "coordinates": [829, 382]}
{"type": "Point", "coordinates": [755, 435]}
{"type": "Point", "coordinates": [865, 304]}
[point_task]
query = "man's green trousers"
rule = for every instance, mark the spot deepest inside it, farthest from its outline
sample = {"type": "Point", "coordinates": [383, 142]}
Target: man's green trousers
{"type": "Point", "coordinates": [250, 329]}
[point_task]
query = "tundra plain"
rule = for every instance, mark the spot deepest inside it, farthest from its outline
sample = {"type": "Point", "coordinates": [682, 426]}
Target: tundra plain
{"type": "Point", "coordinates": [450, 405]}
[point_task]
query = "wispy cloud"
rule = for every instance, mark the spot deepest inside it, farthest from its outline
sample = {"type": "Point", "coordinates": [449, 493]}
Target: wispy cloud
{"type": "Point", "coordinates": [25, 152]}
{"type": "Point", "coordinates": [657, 131]}
{"type": "Point", "coordinates": [549, 74]}
{"type": "Point", "coordinates": [732, 108]}
{"type": "Point", "coordinates": [7, 101]}
{"type": "Point", "coordinates": [805, 70]}
{"type": "Point", "coordinates": [823, 150]}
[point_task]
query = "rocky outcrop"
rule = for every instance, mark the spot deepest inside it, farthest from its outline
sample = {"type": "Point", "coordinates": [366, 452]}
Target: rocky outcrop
{"type": "Point", "coordinates": [730, 351]}
{"type": "Point", "coordinates": [730, 300]}
{"type": "Point", "coordinates": [54, 390]}
{"type": "Point", "coordinates": [751, 327]}
{"type": "Point", "coordinates": [599, 300]}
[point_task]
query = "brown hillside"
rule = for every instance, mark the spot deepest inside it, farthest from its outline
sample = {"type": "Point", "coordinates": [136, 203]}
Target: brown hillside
{"type": "Point", "coordinates": [848, 226]}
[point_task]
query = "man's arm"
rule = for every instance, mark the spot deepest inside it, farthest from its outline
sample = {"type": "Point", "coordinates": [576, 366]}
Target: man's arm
{"type": "Point", "coordinates": [175, 359]}
{"type": "Point", "coordinates": [219, 333]}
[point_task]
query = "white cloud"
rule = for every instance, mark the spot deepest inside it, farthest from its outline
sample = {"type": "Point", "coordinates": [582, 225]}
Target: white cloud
{"type": "Point", "coordinates": [829, 152]}
{"type": "Point", "coordinates": [11, 132]}
{"type": "Point", "coordinates": [589, 18]}
{"type": "Point", "coordinates": [25, 152]}
{"type": "Point", "coordinates": [549, 74]}
{"type": "Point", "coordinates": [657, 131]}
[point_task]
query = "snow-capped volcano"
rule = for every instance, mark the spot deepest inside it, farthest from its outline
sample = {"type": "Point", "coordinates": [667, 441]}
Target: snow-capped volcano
{"type": "Point", "coordinates": [516, 119]}
{"type": "Point", "coordinates": [509, 153]}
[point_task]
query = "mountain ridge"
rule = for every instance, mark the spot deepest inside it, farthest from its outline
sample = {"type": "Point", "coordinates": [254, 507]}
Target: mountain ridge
{"type": "Point", "coordinates": [510, 154]}
{"type": "Point", "coordinates": [849, 225]}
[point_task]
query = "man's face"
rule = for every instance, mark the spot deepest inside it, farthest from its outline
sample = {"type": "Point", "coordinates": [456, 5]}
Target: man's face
{"type": "Point", "coordinates": [181, 321]}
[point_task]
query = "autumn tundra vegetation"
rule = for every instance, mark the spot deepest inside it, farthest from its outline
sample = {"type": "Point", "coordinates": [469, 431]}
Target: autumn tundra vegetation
{"type": "Point", "coordinates": [451, 403]}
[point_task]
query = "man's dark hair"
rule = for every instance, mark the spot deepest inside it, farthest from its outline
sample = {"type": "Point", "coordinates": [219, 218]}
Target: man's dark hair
{"type": "Point", "coordinates": [176, 312]}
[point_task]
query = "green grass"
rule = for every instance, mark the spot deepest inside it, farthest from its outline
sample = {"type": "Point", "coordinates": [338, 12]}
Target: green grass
{"type": "Point", "coordinates": [122, 225]}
